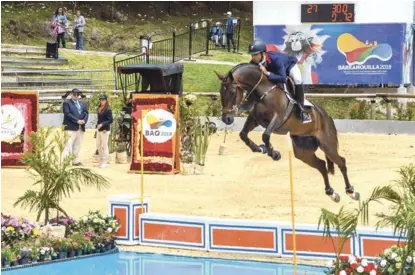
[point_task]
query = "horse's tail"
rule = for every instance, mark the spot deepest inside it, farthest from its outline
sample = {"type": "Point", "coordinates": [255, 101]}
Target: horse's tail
{"type": "Point", "coordinates": [330, 166]}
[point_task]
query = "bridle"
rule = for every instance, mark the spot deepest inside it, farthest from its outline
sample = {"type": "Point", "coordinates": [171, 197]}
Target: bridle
{"type": "Point", "coordinates": [235, 107]}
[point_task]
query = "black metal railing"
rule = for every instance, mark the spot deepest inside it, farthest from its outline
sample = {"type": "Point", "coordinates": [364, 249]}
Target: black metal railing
{"type": "Point", "coordinates": [198, 39]}
{"type": "Point", "coordinates": [134, 56]}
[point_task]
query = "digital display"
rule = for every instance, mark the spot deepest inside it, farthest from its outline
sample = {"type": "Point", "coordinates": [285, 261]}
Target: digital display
{"type": "Point", "coordinates": [327, 13]}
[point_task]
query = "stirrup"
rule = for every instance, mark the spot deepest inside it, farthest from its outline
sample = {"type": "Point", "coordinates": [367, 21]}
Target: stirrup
{"type": "Point", "coordinates": [305, 117]}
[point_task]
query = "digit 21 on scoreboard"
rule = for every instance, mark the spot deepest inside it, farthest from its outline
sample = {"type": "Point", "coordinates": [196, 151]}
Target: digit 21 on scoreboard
{"type": "Point", "coordinates": [327, 13]}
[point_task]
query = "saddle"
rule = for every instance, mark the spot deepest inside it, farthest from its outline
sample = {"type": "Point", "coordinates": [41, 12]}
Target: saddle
{"type": "Point", "coordinates": [289, 90]}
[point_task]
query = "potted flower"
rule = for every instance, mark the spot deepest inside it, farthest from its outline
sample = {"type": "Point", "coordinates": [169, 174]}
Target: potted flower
{"type": "Point", "coordinates": [44, 253]}
{"type": "Point", "coordinates": [35, 254]}
{"type": "Point", "coordinates": [93, 248]}
{"type": "Point", "coordinates": [393, 261]}
{"type": "Point", "coordinates": [108, 239]}
{"type": "Point", "coordinates": [14, 258]}
{"type": "Point", "coordinates": [71, 248]}
{"type": "Point", "coordinates": [89, 237]}
{"type": "Point", "coordinates": [349, 264]}
{"type": "Point", "coordinates": [16, 229]}
{"type": "Point", "coordinates": [25, 254]}
{"type": "Point", "coordinates": [100, 248]}
{"type": "Point", "coordinates": [6, 256]}
{"type": "Point", "coordinates": [54, 255]}
{"type": "Point", "coordinates": [48, 253]}
{"type": "Point", "coordinates": [78, 242]}
{"type": "Point", "coordinates": [61, 246]}
{"type": "Point", "coordinates": [89, 247]}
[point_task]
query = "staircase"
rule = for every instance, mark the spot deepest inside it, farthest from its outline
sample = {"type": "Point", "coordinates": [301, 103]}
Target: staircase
{"type": "Point", "coordinates": [26, 68]}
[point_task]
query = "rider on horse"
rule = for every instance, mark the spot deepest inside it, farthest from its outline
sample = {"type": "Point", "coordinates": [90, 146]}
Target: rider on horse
{"type": "Point", "coordinates": [280, 65]}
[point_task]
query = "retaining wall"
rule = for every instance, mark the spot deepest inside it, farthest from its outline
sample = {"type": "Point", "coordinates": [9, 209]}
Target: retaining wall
{"type": "Point", "coordinates": [342, 125]}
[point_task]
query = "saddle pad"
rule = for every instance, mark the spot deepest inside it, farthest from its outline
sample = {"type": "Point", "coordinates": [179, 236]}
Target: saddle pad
{"type": "Point", "coordinates": [308, 103]}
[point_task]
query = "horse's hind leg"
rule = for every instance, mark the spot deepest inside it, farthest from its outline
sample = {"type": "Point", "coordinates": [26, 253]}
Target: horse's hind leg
{"type": "Point", "coordinates": [249, 125]}
{"type": "Point", "coordinates": [329, 147]}
{"type": "Point", "coordinates": [307, 155]}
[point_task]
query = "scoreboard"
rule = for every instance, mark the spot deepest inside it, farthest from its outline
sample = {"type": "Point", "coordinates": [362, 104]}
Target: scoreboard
{"type": "Point", "coordinates": [327, 13]}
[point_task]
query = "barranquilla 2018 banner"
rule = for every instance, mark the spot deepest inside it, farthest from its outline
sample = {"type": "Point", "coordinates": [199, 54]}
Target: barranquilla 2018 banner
{"type": "Point", "coordinates": [339, 54]}
{"type": "Point", "coordinates": [162, 145]}
{"type": "Point", "coordinates": [19, 117]}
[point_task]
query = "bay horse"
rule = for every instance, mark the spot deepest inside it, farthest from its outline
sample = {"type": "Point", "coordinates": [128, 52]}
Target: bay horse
{"type": "Point", "coordinates": [272, 106]}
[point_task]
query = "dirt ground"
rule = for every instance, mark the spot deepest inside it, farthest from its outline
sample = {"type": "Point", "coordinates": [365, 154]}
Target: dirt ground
{"type": "Point", "coordinates": [239, 184]}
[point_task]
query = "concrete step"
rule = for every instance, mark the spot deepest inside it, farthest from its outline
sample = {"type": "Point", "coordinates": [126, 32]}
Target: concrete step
{"type": "Point", "coordinates": [20, 46]}
{"type": "Point", "coordinates": [45, 82]}
{"type": "Point", "coordinates": [24, 51]}
{"type": "Point", "coordinates": [33, 61]}
{"type": "Point", "coordinates": [65, 87]}
{"type": "Point", "coordinates": [33, 71]}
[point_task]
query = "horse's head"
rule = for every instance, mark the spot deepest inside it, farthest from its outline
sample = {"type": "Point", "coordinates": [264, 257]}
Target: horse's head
{"type": "Point", "coordinates": [232, 91]}
{"type": "Point", "coordinates": [231, 97]}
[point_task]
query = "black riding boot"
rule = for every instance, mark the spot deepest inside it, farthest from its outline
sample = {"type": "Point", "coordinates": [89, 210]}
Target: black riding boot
{"type": "Point", "coordinates": [301, 113]}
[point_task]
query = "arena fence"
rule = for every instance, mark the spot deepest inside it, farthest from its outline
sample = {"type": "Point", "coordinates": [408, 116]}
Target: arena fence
{"type": "Point", "coordinates": [134, 56]}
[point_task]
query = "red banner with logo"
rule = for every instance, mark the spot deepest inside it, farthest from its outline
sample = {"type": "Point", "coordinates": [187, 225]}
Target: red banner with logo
{"type": "Point", "coordinates": [19, 117]}
{"type": "Point", "coordinates": [161, 143]}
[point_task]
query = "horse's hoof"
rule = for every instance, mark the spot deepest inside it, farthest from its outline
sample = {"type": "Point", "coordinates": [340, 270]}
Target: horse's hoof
{"type": "Point", "coordinates": [276, 155]}
{"type": "Point", "coordinates": [355, 196]}
{"type": "Point", "coordinates": [335, 197]}
{"type": "Point", "coordinates": [263, 149]}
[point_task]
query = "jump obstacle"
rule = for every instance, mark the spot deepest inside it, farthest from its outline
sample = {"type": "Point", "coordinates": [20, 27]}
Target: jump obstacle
{"type": "Point", "coordinates": [236, 235]}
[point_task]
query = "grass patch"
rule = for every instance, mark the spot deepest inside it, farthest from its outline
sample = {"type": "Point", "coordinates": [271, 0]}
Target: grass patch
{"type": "Point", "coordinates": [80, 61]}
{"type": "Point", "coordinates": [202, 78]}
{"type": "Point", "coordinates": [223, 55]}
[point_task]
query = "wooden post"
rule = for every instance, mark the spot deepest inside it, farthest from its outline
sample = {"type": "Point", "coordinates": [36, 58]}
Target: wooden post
{"type": "Point", "coordinates": [388, 109]}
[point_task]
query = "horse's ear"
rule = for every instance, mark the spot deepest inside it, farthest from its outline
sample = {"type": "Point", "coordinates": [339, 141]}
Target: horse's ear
{"type": "Point", "coordinates": [220, 76]}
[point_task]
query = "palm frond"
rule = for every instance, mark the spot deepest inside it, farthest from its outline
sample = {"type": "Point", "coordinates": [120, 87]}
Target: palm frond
{"type": "Point", "coordinates": [53, 173]}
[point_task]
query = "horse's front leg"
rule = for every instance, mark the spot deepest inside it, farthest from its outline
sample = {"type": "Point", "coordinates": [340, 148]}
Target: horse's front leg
{"type": "Point", "coordinates": [250, 124]}
{"type": "Point", "coordinates": [275, 155]}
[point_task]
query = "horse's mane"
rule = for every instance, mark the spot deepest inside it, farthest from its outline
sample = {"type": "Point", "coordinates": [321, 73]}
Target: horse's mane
{"type": "Point", "coordinates": [230, 73]}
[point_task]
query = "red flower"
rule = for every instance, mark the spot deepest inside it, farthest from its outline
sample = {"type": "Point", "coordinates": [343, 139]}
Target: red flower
{"type": "Point", "coordinates": [344, 259]}
{"type": "Point", "coordinates": [354, 266]}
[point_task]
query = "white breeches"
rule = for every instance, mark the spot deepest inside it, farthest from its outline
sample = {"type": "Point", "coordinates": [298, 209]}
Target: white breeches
{"type": "Point", "coordinates": [295, 74]}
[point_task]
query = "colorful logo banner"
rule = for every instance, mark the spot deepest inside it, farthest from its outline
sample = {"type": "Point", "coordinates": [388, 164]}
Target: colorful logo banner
{"type": "Point", "coordinates": [339, 54]}
{"type": "Point", "coordinates": [19, 117]}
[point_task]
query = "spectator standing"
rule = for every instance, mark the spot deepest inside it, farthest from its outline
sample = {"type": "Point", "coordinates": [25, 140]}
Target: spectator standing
{"type": "Point", "coordinates": [79, 24]}
{"type": "Point", "coordinates": [59, 22]}
{"type": "Point", "coordinates": [75, 117]}
{"type": "Point", "coordinates": [230, 27]}
{"type": "Point", "coordinates": [104, 127]}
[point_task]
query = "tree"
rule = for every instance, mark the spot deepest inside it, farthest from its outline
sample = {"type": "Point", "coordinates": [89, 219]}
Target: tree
{"type": "Point", "coordinates": [53, 174]}
{"type": "Point", "coordinates": [344, 223]}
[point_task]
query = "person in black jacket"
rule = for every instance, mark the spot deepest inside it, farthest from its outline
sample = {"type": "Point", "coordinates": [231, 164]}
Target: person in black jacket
{"type": "Point", "coordinates": [104, 128]}
{"type": "Point", "coordinates": [75, 117]}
